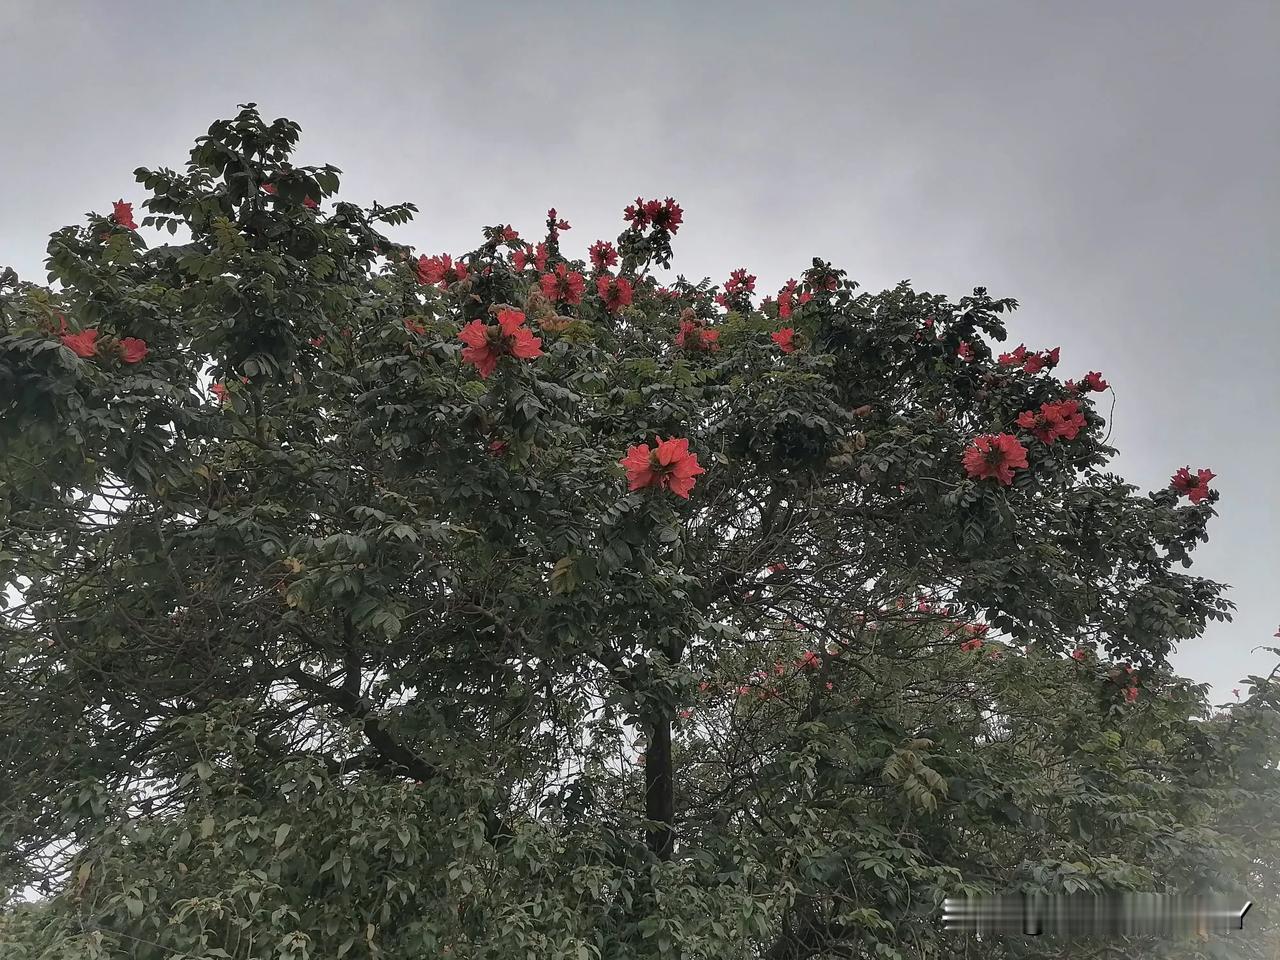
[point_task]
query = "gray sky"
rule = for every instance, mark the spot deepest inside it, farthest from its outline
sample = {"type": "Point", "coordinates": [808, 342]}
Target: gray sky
{"type": "Point", "coordinates": [1112, 166]}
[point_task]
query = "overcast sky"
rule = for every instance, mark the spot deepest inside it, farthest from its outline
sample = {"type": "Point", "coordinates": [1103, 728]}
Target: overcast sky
{"type": "Point", "coordinates": [1112, 166]}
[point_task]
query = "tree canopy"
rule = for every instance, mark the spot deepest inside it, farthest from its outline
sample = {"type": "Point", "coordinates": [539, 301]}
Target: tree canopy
{"type": "Point", "coordinates": [509, 604]}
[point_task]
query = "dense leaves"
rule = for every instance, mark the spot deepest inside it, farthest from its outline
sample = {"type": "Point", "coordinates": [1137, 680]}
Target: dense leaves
{"type": "Point", "coordinates": [373, 604]}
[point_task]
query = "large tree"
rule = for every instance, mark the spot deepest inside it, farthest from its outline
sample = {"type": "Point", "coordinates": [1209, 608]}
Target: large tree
{"type": "Point", "coordinates": [373, 605]}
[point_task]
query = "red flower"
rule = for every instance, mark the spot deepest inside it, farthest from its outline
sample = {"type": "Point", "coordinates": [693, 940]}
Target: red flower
{"type": "Point", "coordinates": [785, 297]}
{"type": "Point", "coordinates": [1035, 362]}
{"type": "Point", "coordinates": [777, 567]}
{"type": "Point", "coordinates": [83, 344]}
{"type": "Point", "coordinates": [686, 714]}
{"type": "Point", "coordinates": [413, 326]}
{"type": "Point", "coordinates": [556, 224]}
{"type": "Point", "coordinates": [520, 257]}
{"type": "Point", "coordinates": [694, 336]}
{"type": "Point", "coordinates": [485, 343]}
{"type": "Point", "coordinates": [785, 339]}
{"type": "Point", "coordinates": [1055, 420]}
{"type": "Point", "coordinates": [310, 204]}
{"type": "Point", "coordinates": [1070, 420]}
{"type": "Point", "coordinates": [970, 645]}
{"type": "Point", "coordinates": [498, 447]}
{"type": "Point", "coordinates": [563, 284]}
{"type": "Point", "coordinates": [123, 214]}
{"type": "Point", "coordinates": [809, 661]}
{"type": "Point", "coordinates": [663, 214]}
{"type": "Point", "coordinates": [132, 350]}
{"type": "Point", "coordinates": [269, 188]}
{"type": "Point", "coordinates": [616, 292]}
{"type": "Point", "coordinates": [220, 392]}
{"type": "Point", "coordinates": [964, 351]}
{"type": "Point", "coordinates": [996, 457]}
{"type": "Point", "coordinates": [740, 280]}
{"type": "Point", "coordinates": [1094, 382]}
{"type": "Point", "coordinates": [509, 234]}
{"type": "Point", "coordinates": [441, 270]}
{"type": "Point", "coordinates": [634, 213]}
{"type": "Point", "coordinates": [1078, 654]}
{"type": "Point", "coordinates": [669, 464]}
{"type": "Point", "coordinates": [317, 341]}
{"type": "Point", "coordinates": [1131, 694]}
{"type": "Point", "coordinates": [602, 255]}
{"type": "Point", "coordinates": [1194, 488]}
{"type": "Point", "coordinates": [1014, 358]}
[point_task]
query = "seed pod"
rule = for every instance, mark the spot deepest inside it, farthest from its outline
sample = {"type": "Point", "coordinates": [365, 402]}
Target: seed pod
{"type": "Point", "coordinates": [863, 411]}
{"type": "Point", "coordinates": [537, 305]}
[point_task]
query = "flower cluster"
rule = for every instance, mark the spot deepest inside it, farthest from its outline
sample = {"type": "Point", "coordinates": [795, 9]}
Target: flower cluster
{"type": "Point", "coordinates": [1030, 362]}
{"type": "Point", "coordinates": [788, 299]}
{"type": "Point", "coordinates": [668, 465]}
{"type": "Point", "coordinates": [995, 456]}
{"type": "Point", "coordinates": [441, 270]}
{"type": "Point", "coordinates": [563, 285]}
{"type": "Point", "coordinates": [737, 291]}
{"type": "Point", "coordinates": [694, 335]}
{"type": "Point", "coordinates": [555, 225]}
{"type": "Point", "coordinates": [615, 292]}
{"type": "Point", "coordinates": [520, 258]}
{"type": "Point", "coordinates": [122, 214]}
{"type": "Point", "coordinates": [485, 343]}
{"type": "Point", "coordinates": [85, 345]}
{"type": "Point", "coordinates": [663, 215]}
{"type": "Point", "coordinates": [1054, 421]}
{"type": "Point", "coordinates": [1093, 382]}
{"type": "Point", "coordinates": [1194, 488]}
{"type": "Point", "coordinates": [602, 255]}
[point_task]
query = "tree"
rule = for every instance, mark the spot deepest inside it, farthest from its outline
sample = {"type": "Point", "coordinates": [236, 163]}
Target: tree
{"type": "Point", "coordinates": [515, 605]}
